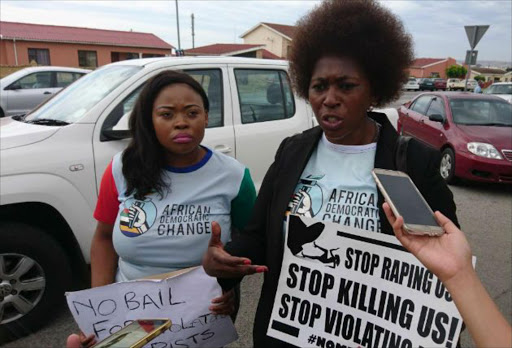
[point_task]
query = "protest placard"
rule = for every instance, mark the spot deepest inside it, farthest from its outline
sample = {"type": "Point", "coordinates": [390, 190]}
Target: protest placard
{"type": "Point", "coordinates": [184, 299]}
{"type": "Point", "coordinates": [345, 287]}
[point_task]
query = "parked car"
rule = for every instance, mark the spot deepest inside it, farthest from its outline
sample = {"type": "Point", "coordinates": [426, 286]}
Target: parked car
{"type": "Point", "coordinates": [24, 89]}
{"type": "Point", "coordinates": [500, 89]}
{"type": "Point", "coordinates": [472, 131]}
{"type": "Point", "coordinates": [427, 84]}
{"type": "Point", "coordinates": [411, 85]}
{"type": "Point", "coordinates": [53, 160]}
{"type": "Point", "coordinates": [451, 83]}
{"type": "Point", "coordinates": [440, 84]}
{"type": "Point", "coordinates": [460, 84]}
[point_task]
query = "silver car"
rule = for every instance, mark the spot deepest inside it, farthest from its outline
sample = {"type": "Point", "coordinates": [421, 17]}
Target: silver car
{"type": "Point", "coordinates": [23, 90]}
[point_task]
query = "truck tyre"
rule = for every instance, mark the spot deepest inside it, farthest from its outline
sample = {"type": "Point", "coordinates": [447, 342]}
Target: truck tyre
{"type": "Point", "coordinates": [34, 273]}
{"type": "Point", "coordinates": [447, 166]}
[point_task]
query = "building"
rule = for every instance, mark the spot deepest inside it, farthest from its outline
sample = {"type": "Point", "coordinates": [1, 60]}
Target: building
{"type": "Point", "coordinates": [431, 67]}
{"type": "Point", "coordinates": [23, 43]}
{"type": "Point", "coordinates": [507, 77]}
{"type": "Point", "coordinates": [490, 74]}
{"type": "Point", "coordinates": [235, 50]}
{"type": "Point", "coordinates": [276, 38]}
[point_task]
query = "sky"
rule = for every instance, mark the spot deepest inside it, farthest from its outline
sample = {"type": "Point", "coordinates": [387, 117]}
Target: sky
{"type": "Point", "coordinates": [437, 26]}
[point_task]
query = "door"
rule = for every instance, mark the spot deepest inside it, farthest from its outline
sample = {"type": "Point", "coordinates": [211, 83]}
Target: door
{"type": "Point", "coordinates": [29, 91]}
{"type": "Point", "coordinates": [413, 121]}
{"type": "Point", "coordinates": [266, 112]}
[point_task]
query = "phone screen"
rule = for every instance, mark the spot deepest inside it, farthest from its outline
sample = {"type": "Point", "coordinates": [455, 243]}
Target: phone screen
{"type": "Point", "coordinates": [407, 200]}
{"type": "Point", "coordinates": [130, 334]}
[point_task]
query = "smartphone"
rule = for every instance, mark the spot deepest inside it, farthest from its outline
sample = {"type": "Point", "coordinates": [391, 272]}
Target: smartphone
{"type": "Point", "coordinates": [405, 200]}
{"type": "Point", "coordinates": [136, 334]}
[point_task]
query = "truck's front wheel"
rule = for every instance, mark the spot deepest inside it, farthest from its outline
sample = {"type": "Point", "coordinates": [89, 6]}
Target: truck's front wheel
{"type": "Point", "coordinates": [34, 273]}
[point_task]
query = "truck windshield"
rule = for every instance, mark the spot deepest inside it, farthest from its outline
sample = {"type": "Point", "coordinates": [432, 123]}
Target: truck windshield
{"type": "Point", "coordinates": [73, 102]}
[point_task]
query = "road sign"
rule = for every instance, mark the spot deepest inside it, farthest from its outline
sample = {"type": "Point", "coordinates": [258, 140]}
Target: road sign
{"type": "Point", "coordinates": [472, 55]}
{"type": "Point", "coordinates": [475, 33]}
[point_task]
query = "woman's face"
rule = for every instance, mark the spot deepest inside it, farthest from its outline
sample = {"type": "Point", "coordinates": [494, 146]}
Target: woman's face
{"type": "Point", "coordinates": [179, 119]}
{"type": "Point", "coordinates": [340, 95]}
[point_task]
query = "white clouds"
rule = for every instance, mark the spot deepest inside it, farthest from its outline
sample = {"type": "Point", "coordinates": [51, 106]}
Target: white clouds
{"type": "Point", "coordinates": [436, 26]}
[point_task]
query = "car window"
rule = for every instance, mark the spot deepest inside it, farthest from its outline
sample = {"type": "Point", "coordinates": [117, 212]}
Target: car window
{"type": "Point", "coordinates": [436, 107]}
{"type": "Point", "coordinates": [211, 81]}
{"type": "Point", "coordinates": [481, 112]}
{"type": "Point", "coordinates": [36, 80]}
{"type": "Point", "coordinates": [65, 78]}
{"type": "Point", "coordinates": [74, 102]}
{"type": "Point", "coordinates": [499, 89]}
{"type": "Point", "coordinates": [421, 104]}
{"type": "Point", "coordinates": [264, 95]}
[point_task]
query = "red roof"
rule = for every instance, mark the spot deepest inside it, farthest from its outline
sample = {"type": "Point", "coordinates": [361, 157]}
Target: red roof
{"type": "Point", "coordinates": [53, 33]}
{"type": "Point", "coordinates": [218, 49]}
{"type": "Point", "coordinates": [421, 62]}
{"type": "Point", "coordinates": [287, 30]}
{"type": "Point", "coordinates": [269, 55]}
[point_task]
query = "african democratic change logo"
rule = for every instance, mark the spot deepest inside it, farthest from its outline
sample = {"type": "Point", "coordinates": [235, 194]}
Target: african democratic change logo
{"type": "Point", "coordinates": [137, 217]}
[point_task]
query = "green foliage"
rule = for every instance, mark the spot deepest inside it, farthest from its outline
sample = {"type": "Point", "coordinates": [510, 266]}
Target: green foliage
{"type": "Point", "coordinates": [479, 78]}
{"type": "Point", "coordinates": [456, 71]}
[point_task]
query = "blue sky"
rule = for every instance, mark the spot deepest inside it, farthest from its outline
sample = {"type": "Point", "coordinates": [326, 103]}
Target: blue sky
{"type": "Point", "coordinates": [437, 26]}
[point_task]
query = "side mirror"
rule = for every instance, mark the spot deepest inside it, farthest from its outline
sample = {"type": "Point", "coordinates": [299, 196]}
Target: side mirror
{"type": "Point", "coordinates": [110, 134]}
{"type": "Point", "coordinates": [13, 87]}
{"type": "Point", "coordinates": [436, 118]}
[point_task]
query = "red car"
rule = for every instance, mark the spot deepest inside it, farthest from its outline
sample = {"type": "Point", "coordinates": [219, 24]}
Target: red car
{"type": "Point", "coordinates": [440, 84]}
{"type": "Point", "coordinates": [472, 131]}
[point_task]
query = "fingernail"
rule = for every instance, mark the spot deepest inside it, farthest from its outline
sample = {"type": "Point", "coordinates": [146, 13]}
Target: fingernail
{"type": "Point", "coordinates": [247, 262]}
{"type": "Point", "coordinates": [260, 269]}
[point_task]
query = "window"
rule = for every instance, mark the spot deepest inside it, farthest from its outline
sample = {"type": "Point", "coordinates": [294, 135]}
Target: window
{"type": "Point", "coordinates": [264, 95]}
{"type": "Point", "coordinates": [35, 80]}
{"type": "Point", "coordinates": [39, 55]}
{"type": "Point", "coordinates": [87, 59]}
{"type": "Point", "coordinates": [66, 78]}
{"type": "Point", "coordinates": [211, 81]}
{"type": "Point", "coordinates": [436, 107]}
{"type": "Point", "coordinates": [421, 104]}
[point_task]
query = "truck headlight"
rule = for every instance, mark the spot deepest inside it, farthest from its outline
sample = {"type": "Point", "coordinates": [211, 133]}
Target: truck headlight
{"type": "Point", "coordinates": [484, 150]}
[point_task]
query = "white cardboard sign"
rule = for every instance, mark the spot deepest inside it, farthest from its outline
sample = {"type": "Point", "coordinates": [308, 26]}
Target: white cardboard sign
{"type": "Point", "coordinates": [184, 299]}
{"type": "Point", "coordinates": [344, 287]}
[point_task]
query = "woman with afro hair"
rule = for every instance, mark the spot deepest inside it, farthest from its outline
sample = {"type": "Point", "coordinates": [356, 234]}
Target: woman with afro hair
{"type": "Point", "coordinates": [347, 57]}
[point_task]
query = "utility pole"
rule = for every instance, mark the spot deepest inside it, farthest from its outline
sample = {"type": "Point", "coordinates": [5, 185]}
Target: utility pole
{"type": "Point", "coordinates": [193, 34]}
{"type": "Point", "coordinates": [178, 24]}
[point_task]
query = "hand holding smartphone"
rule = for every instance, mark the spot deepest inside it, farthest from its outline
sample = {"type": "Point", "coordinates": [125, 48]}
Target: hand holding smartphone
{"type": "Point", "coordinates": [405, 200]}
{"type": "Point", "coordinates": [136, 334]}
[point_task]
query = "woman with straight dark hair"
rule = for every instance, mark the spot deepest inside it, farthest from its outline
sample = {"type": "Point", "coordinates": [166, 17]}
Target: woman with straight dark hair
{"type": "Point", "coordinates": [159, 197]}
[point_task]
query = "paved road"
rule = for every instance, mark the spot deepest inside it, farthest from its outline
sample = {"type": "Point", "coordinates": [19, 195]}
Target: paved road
{"type": "Point", "coordinates": [485, 213]}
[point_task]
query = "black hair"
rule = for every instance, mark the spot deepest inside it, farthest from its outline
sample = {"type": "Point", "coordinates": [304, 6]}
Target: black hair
{"type": "Point", "coordinates": [144, 157]}
{"type": "Point", "coordinates": [362, 30]}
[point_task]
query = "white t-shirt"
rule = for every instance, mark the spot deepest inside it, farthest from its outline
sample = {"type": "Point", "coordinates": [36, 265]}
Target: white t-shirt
{"type": "Point", "coordinates": [337, 186]}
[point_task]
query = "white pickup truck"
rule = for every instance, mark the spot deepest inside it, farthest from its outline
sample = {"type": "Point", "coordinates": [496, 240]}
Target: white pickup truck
{"type": "Point", "coordinates": [52, 162]}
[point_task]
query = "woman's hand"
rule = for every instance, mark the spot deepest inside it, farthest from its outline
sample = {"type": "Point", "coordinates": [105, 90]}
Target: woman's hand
{"type": "Point", "coordinates": [219, 263]}
{"type": "Point", "coordinates": [80, 341]}
{"type": "Point", "coordinates": [225, 304]}
{"type": "Point", "coordinates": [445, 256]}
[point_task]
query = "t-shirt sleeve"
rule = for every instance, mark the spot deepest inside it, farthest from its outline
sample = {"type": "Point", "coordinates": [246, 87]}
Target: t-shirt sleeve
{"type": "Point", "coordinates": [241, 206]}
{"type": "Point", "coordinates": [107, 206]}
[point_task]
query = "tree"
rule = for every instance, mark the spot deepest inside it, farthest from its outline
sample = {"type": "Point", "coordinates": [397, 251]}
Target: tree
{"type": "Point", "coordinates": [480, 78]}
{"type": "Point", "coordinates": [456, 71]}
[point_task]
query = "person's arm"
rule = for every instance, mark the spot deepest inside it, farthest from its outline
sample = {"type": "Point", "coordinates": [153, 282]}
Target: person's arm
{"type": "Point", "coordinates": [103, 256]}
{"type": "Point", "coordinates": [449, 258]}
{"type": "Point", "coordinates": [248, 245]}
